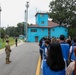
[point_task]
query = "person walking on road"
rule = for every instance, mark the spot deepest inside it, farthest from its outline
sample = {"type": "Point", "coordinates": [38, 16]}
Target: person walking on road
{"type": "Point", "coordinates": [7, 51]}
{"type": "Point", "coordinates": [16, 40]}
{"type": "Point", "coordinates": [65, 47]}
{"type": "Point", "coordinates": [54, 63]}
{"type": "Point", "coordinates": [71, 69]}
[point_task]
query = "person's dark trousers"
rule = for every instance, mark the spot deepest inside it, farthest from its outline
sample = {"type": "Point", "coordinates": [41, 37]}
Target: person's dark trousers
{"type": "Point", "coordinates": [41, 53]}
{"type": "Point", "coordinates": [16, 44]}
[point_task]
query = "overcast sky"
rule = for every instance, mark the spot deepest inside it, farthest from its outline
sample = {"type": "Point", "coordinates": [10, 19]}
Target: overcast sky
{"type": "Point", "coordinates": [13, 11]}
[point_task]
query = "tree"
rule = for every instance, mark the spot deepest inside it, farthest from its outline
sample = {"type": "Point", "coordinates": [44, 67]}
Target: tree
{"type": "Point", "coordinates": [20, 28]}
{"type": "Point", "coordinates": [13, 31]}
{"type": "Point", "coordinates": [2, 34]}
{"type": "Point", "coordinates": [63, 11]}
{"type": "Point", "coordinates": [72, 32]}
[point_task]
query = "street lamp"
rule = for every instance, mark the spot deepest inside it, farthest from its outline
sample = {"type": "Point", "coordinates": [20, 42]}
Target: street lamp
{"type": "Point", "coordinates": [0, 21]}
{"type": "Point", "coordinates": [26, 14]}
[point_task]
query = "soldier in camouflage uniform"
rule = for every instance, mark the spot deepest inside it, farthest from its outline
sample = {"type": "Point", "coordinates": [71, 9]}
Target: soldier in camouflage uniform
{"type": "Point", "coordinates": [7, 51]}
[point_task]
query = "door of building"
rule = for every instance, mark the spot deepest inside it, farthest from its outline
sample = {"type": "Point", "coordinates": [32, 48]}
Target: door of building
{"type": "Point", "coordinates": [36, 38]}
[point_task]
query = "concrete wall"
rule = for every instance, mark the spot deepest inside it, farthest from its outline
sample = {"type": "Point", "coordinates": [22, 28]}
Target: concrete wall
{"type": "Point", "coordinates": [40, 18]}
{"type": "Point", "coordinates": [57, 31]}
{"type": "Point", "coordinates": [43, 32]}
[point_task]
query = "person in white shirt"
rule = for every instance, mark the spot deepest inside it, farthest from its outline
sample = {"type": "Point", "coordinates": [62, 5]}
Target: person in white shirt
{"type": "Point", "coordinates": [71, 69]}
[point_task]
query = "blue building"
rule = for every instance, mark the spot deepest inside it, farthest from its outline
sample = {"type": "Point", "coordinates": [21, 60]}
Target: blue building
{"type": "Point", "coordinates": [45, 28]}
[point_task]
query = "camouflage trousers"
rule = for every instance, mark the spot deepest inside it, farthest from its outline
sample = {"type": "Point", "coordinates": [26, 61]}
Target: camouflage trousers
{"type": "Point", "coordinates": [7, 54]}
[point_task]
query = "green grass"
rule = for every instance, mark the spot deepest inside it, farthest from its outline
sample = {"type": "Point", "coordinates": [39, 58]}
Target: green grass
{"type": "Point", "coordinates": [11, 42]}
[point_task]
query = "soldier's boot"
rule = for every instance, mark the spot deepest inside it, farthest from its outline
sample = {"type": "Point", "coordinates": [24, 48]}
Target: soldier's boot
{"type": "Point", "coordinates": [7, 61]}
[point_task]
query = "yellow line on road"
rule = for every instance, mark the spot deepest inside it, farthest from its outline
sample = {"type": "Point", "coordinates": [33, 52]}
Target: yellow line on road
{"type": "Point", "coordinates": [38, 67]}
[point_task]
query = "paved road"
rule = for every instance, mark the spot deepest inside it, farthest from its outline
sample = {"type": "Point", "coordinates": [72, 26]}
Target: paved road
{"type": "Point", "coordinates": [24, 60]}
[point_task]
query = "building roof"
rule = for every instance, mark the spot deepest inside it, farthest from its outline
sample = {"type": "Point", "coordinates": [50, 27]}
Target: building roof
{"type": "Point", "coordinates": [41, 12]}
{"type": "Point", "coordinates": [50, 25]}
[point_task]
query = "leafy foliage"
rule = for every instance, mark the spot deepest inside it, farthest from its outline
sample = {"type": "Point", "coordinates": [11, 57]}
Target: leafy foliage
{"type": "Point", "coordinates": [63, 11]}
{"type": "Point", "coordinates": [12, 31]}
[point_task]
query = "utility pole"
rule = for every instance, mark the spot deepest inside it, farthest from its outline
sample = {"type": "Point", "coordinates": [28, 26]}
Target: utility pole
{"type": "Point", "coordinates": [0, 27]}
{"type": "Point", "coordinates": [26, 14]}
{"type": "Point", "coordinates": [25, 25]}
{"type": "Point", "coordinates": [0, 20]}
